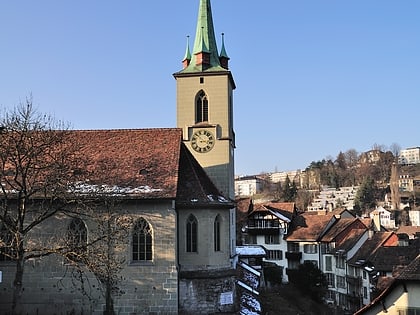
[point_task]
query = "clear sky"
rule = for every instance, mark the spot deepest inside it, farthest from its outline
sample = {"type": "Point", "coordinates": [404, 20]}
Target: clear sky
{"type": "Point", "coordinates": [314, 77]}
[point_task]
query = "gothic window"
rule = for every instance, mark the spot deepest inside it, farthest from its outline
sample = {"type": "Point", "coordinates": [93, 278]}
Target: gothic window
{"type": "Point", "coordinates": [192, 234]}
{"type": "Point", "coordinates": [76, 238]}
{"type": "Point", "coordinates": [6, 249]}
{"type": "Point", "coordinates": [201, 107]}
{"type": "Point", "coordinates": [142, 241]}
{"type": "Point", "coordinates": [217, 224]}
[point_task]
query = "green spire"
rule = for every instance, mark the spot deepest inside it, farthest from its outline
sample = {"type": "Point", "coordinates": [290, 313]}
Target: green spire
{"type": "Point", "coordinates": [187, 50]}
{"type": "Point", "coordinates": [205, 41]}
{"type": "Point", "coordinates": [223, 53]}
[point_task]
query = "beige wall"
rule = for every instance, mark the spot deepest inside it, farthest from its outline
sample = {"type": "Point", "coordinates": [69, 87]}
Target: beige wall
{"type": "Point", "coordinates": [206, 257]}
{"type": "Point", "coordinates": [398, 300]}
{"type": "Point", "coordinates": [219, 162]}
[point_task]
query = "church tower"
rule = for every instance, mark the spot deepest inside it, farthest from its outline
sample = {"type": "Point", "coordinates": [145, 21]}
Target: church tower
{"type": "Point", "coordinates": [205, 103]}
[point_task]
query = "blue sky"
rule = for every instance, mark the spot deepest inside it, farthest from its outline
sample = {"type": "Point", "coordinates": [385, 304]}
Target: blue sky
{"type": "Point", "coordinates": [314, 77]}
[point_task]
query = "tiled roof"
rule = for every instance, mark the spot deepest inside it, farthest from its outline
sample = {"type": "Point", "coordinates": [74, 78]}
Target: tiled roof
{"type": "Point", "coordinates": [308, 227]}
{"type": "Point", "coordinates": [131, 158]}
{"type": "Point", "coordinates": [194, 186]}
{"type": "Point", "coordinates": [350, 240]}
{"type": "Point", "coordinates": [387, 258]}
{"type": "Point", "coordinates": [409, 230]}
{"type": "Point", "coordinates": [412, 271]}
{"type": "Point", "coordinates": [155, 161]}
{"type": "Point", "coordinates": [285, 209]}
{"type": "Point", "coordinates": [336, 229]}
{"type": "Point", "coordinates": [369, 247]}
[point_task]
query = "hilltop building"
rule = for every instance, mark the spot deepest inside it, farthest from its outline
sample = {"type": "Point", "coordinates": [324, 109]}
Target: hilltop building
{"type": "Point", "coordinates": [409, 156]}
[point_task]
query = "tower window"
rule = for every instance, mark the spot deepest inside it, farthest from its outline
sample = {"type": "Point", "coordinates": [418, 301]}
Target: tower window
{"type": "Point", "coordinates": [201, 108]}
{"type": "Point", "coordinates": [217, 224]}
{"type": "Point", "coordinates": [77, 239]}
{"type": "Point", "coordinates": [192, 234]}
{"type": "Point", "coordinates": [201, 80]}
{"type": "Point", "coordinates": [142, 241]}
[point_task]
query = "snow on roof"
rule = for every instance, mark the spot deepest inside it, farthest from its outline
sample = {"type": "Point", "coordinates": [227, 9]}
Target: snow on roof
{"type": "Point", "coordinates": [279, 215]}
{"type": "Point", "coordinates": [249, 268]}
{"type": "Point", "coordinates": [247, 287]}
{"type": "Point", "coordinates": [114, 190]}
{"type": "Point", "coordinates": [250, 251]}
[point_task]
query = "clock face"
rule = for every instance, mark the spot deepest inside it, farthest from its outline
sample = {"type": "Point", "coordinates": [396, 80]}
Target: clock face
{"type": "Point", "coordinates": [202, 141]}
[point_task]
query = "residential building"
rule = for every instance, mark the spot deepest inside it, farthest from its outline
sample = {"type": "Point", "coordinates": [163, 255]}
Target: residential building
{"type": "Point", "coordinates": [409, 156]}
{"type": "Point", "coordinates": [384, 217]}
{"type": "Point", "coordinates": [267, 225]}
{"type": "Point", "coordinates": [401, 297]}
{"type": "Point", "coordinates": [249, 185]}
{"type": "Point", "coordinates": [361, 263]}
{"type": "Point", "coordinates": [331, 198]}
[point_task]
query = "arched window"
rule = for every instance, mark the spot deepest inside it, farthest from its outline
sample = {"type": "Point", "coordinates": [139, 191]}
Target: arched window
{"type": "Point", "coordinates": [142, 241]}
{"type": "Point", "coordinates": [201, 107]}
{"type": "Point", "coordinates": [76, 238]}
{"type": "Point", "coordinates": [192, 234]}
{"type": "Point", "coordinates": [217, 224]}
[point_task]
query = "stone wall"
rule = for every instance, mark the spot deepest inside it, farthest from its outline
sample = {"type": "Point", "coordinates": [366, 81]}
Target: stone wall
{"type": "Point", "coordinates": [207, 292]}
{"type": "Point", "coordinates": [51, 285]}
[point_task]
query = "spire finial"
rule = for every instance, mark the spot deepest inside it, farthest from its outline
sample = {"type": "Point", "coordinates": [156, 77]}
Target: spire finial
{"type": "Point", "coordinates": [224, 58]}
{"type": "Point", "coordinates": [187, 56]}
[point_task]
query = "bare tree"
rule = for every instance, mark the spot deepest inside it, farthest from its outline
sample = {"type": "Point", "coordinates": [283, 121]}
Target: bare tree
{"type": "Point", "coordinates": [36, 164]}
{"type": "Point", "coordinates": [395, 148]}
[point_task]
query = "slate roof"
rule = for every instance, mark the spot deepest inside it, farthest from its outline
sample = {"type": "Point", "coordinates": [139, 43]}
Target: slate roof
{"type": "Point", "coordinates": [153, 160]}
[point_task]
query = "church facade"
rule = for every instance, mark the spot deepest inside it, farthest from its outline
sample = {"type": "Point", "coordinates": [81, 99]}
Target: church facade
{"type": "Point", "coordinates": [170, 190]}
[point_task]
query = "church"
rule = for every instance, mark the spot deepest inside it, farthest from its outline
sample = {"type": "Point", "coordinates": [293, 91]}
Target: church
{"type": "Point", "coordinates": [174, 187]}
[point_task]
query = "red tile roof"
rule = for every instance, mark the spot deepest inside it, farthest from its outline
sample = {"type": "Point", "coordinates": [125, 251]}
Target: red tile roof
{"type": "Point", "coordinates": [308, 227]}
{"type": "Point", "coordinates": [153, 163]}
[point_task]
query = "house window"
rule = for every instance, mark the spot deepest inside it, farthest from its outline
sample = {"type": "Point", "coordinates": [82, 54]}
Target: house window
{"type": "Point", "coordinates": [310, 249]}
{"type": "Point", "coordinates": [217, 223]}
{"type": "Point", "coordinates": [76, 239]}
{"type": "Point", "coordinates": [365, 293]}
{"type": "Point", "coordinates": [272, 239]}
{"type": "Point", "coordinates": [6, 248]}
{"type": "Point", "coordinates": [251, 239]}
{"type": "Point", "coordinates": [293, 247]}
{"type": "Point", "coordinates": [330, 277]}
{"type": "Point", "coordinates": [341, 282]}
{"type": "Point", "coordinates": [142, 241]}
{"type": "Point", "coordinates": [192, 234]}
{"type": "Point", "coordinates": [340, 263]}
{"type": "Point", "coordinates": [328, 263]}
{"type": "Point", "coordinates": [201, 108]}
{"type": "Point", "coordinates": [313, 262]}
{"type": "Point", "coordinates": [274, 255]}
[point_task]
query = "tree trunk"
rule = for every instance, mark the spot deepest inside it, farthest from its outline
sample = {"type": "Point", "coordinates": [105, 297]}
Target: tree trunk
{"type": "Point", "coordinates": [18, 284]}
{"type": "Point", "coordinates": [109, 308]}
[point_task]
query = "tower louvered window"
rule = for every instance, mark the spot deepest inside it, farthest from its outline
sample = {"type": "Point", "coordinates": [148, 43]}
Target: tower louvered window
{"type": "Point", "coordinates": [142, 241]}
{"type": "Point", "coordinates": [201, 108]}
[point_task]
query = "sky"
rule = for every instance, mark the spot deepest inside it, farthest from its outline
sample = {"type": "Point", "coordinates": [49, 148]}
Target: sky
{"type": "Point", "coordinates": [313, 77]}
